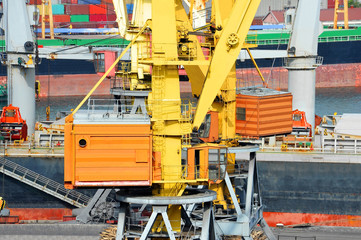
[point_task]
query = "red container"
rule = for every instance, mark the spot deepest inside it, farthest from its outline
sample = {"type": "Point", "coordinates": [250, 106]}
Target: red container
{"type": "Point", "coordinates": [98, 9]}
{"type": "Point", "coordinates": [61, 18]}
{"type": "Point", "coordinates": [65, 1]}
{"type": "Point", "coordinates": [331, 4]}
{"type": "Point", "coordinates": [112, 17]}
{"type": "Point", "coordinates": [77, 9]}
{"type": "Point", "coordinates": [110, 9]}
{"type": "Point", "coordinates": [107, 2]}
{"type": "Point", "coordinates": [75, 1]}
{"type": "Point", "coordinates": [35, 2]}
{"type": "Point", "coordinates": [98, 18]}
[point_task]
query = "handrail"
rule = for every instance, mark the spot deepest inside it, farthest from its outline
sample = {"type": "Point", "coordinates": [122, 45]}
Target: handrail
{"type": "Point", "coordinates": [42, 183]}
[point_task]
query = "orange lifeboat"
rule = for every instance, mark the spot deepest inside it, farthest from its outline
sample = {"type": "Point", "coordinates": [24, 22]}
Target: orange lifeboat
{"type": "Point", "coordinates": [300, 124]}
{"type": "Point", "coordinates": [12, 126]}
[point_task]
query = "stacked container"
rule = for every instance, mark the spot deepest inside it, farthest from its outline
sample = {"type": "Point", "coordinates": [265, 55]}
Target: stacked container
{"type": "Point", "coordinates": [82, 13]}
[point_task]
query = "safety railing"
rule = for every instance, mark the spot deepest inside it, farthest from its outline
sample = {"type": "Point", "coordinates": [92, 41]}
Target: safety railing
{"type": "Point", "coordinates": [113, 108]}
{"type": "Point", "coordinates": [251, 37]}
{"type": "Point", "coordinates": [42, 183]}
{"type": "Point", "coordinates": [186, 173]}
{"type": "Point", "coordinates": [288, 63]}
{"type": "Point", "coordinates": [289, 237]}
{"type": "Point", "coordinates": [339, 38]}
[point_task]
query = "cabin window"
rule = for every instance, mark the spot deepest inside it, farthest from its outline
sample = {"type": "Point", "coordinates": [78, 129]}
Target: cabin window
{"type": "Point", "coordinates": [217, 164]}
{"type": "Point", "coordinates": [289, 19]}
{"type": "Point", "coordinates": [241, 114]}
{"type": "Point", "coordinates": [99, 62]}
{"type": "Point", "coordinates": [297, 117]}
{"type": "Point", "coordinates": [205, 127]}
{"type": "Point", "coordinates": [10, 113]}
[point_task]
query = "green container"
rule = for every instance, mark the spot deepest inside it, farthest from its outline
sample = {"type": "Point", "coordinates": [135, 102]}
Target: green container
{"type": "Point", "coordinates": [79, 18]}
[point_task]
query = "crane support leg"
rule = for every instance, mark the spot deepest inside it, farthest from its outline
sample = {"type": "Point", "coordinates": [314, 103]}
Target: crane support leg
{"type": "Point", "coordinates": [158, 210]}
{"type": "Point", "coordinates": [121, 222]}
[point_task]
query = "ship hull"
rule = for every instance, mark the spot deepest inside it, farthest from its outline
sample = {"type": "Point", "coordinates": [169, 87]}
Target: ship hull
{"type": "Point", "coordinates": [294, 191]}
{"type": "Point", "coordinates": [341, 68]}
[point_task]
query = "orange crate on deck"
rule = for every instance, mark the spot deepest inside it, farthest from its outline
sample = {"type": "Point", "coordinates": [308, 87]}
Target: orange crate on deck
{"type": "Point", "coordinates": [107, 155]}
{"type": "Point", "coordinates": [263, 112]}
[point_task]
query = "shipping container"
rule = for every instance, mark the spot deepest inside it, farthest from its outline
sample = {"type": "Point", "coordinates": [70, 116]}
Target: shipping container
{"type": "Point", "coordinates": [56, 19]}
{"type": "Point", "coordinates": [130, 8]}
{"type": "Point", "coordinates": [263, 112]}
{"type": "Point", "coordinates": [331, 3]}
{"type": "Point", "coordinates": [58, 9]}
{"type": "Point", "coordinates": [41, 9]}
{"type": "Point", "coordinates": [79, 18]}
{"type": "Point", "coordinates": [89, 1]}
{"type": "Point", "coordinates": [98, 9]}
{"type": "Point", "coordinates": [35, 2]}
{"type": "Point", "coordinates": [111, 17]}
{"type": "Point", "coordinates": [108, 155]}
{"type": "Point", "coordinates": [110, 9]}
{"type": "Point", "coordinates": [77, 9]}
{"type": "Point", "coordinates": [61, 18]}
{"type": "Point", "coordinates": [98, 18]}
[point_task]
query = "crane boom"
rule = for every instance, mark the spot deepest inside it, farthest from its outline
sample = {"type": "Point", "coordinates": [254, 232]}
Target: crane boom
{"type": "Point", "coordinates": [225, 54]}
{"type": "Point", "coordinates": [122, 16]}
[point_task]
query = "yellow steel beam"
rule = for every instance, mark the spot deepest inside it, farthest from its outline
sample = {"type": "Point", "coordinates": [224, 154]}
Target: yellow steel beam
{"type": "Point", "coordinates": [196, 74]}
{"type": "Point", "coordinates": [259, 71]}
{"type": "Point", "coordinates": [225, 54]}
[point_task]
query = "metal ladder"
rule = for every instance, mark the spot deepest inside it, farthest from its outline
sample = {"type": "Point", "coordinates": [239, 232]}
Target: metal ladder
{"type": "Point", "coordinates": [42, 183]}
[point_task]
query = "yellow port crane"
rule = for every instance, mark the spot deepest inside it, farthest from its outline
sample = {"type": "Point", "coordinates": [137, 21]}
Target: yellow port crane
{"type": "Point", "coordinates": [138, 146]}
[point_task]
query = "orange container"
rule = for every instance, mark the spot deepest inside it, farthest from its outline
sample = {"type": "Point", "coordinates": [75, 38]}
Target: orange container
{"type": "Point", "coordinates": [107, 155]}
{"type": "Point", "coordinates": [263, 112]}
{"type": "Point", "coordinates": [61, 18]}
{"type": "Point", "coordinates": [98, 9]}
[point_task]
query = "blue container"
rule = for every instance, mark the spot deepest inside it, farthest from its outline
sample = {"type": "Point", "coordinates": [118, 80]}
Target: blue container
{"type": "Point", "coordinates": [89, 1]}
{"type": "Point", "coordinates": [130, 8]}
{"type": "Point", "coordinates": [58, 9]}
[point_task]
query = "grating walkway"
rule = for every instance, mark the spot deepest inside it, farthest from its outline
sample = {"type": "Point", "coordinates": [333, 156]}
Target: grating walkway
{"type": "Point", "coordinates": [42, 183]}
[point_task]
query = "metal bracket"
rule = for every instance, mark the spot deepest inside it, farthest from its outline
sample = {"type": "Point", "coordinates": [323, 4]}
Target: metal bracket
{"type": "Point", "coordinates": [99, 197]}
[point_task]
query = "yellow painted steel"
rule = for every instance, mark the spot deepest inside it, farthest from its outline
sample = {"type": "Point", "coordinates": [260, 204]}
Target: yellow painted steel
{"type": "Point", "coordinates": [43, 9]}
{"type": "Point", "coordinates": [166, 104]}
{"type": "Point", "coordinates": [344, 11]}
{"type": "Point", "coordinates": [259, 71]}
{"type": "Point", "coordinates": [225, 54]}
{"type": "Point", "coordinates": [196, 72]}
{"type": "Point", "coordinates": [208, 77]}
